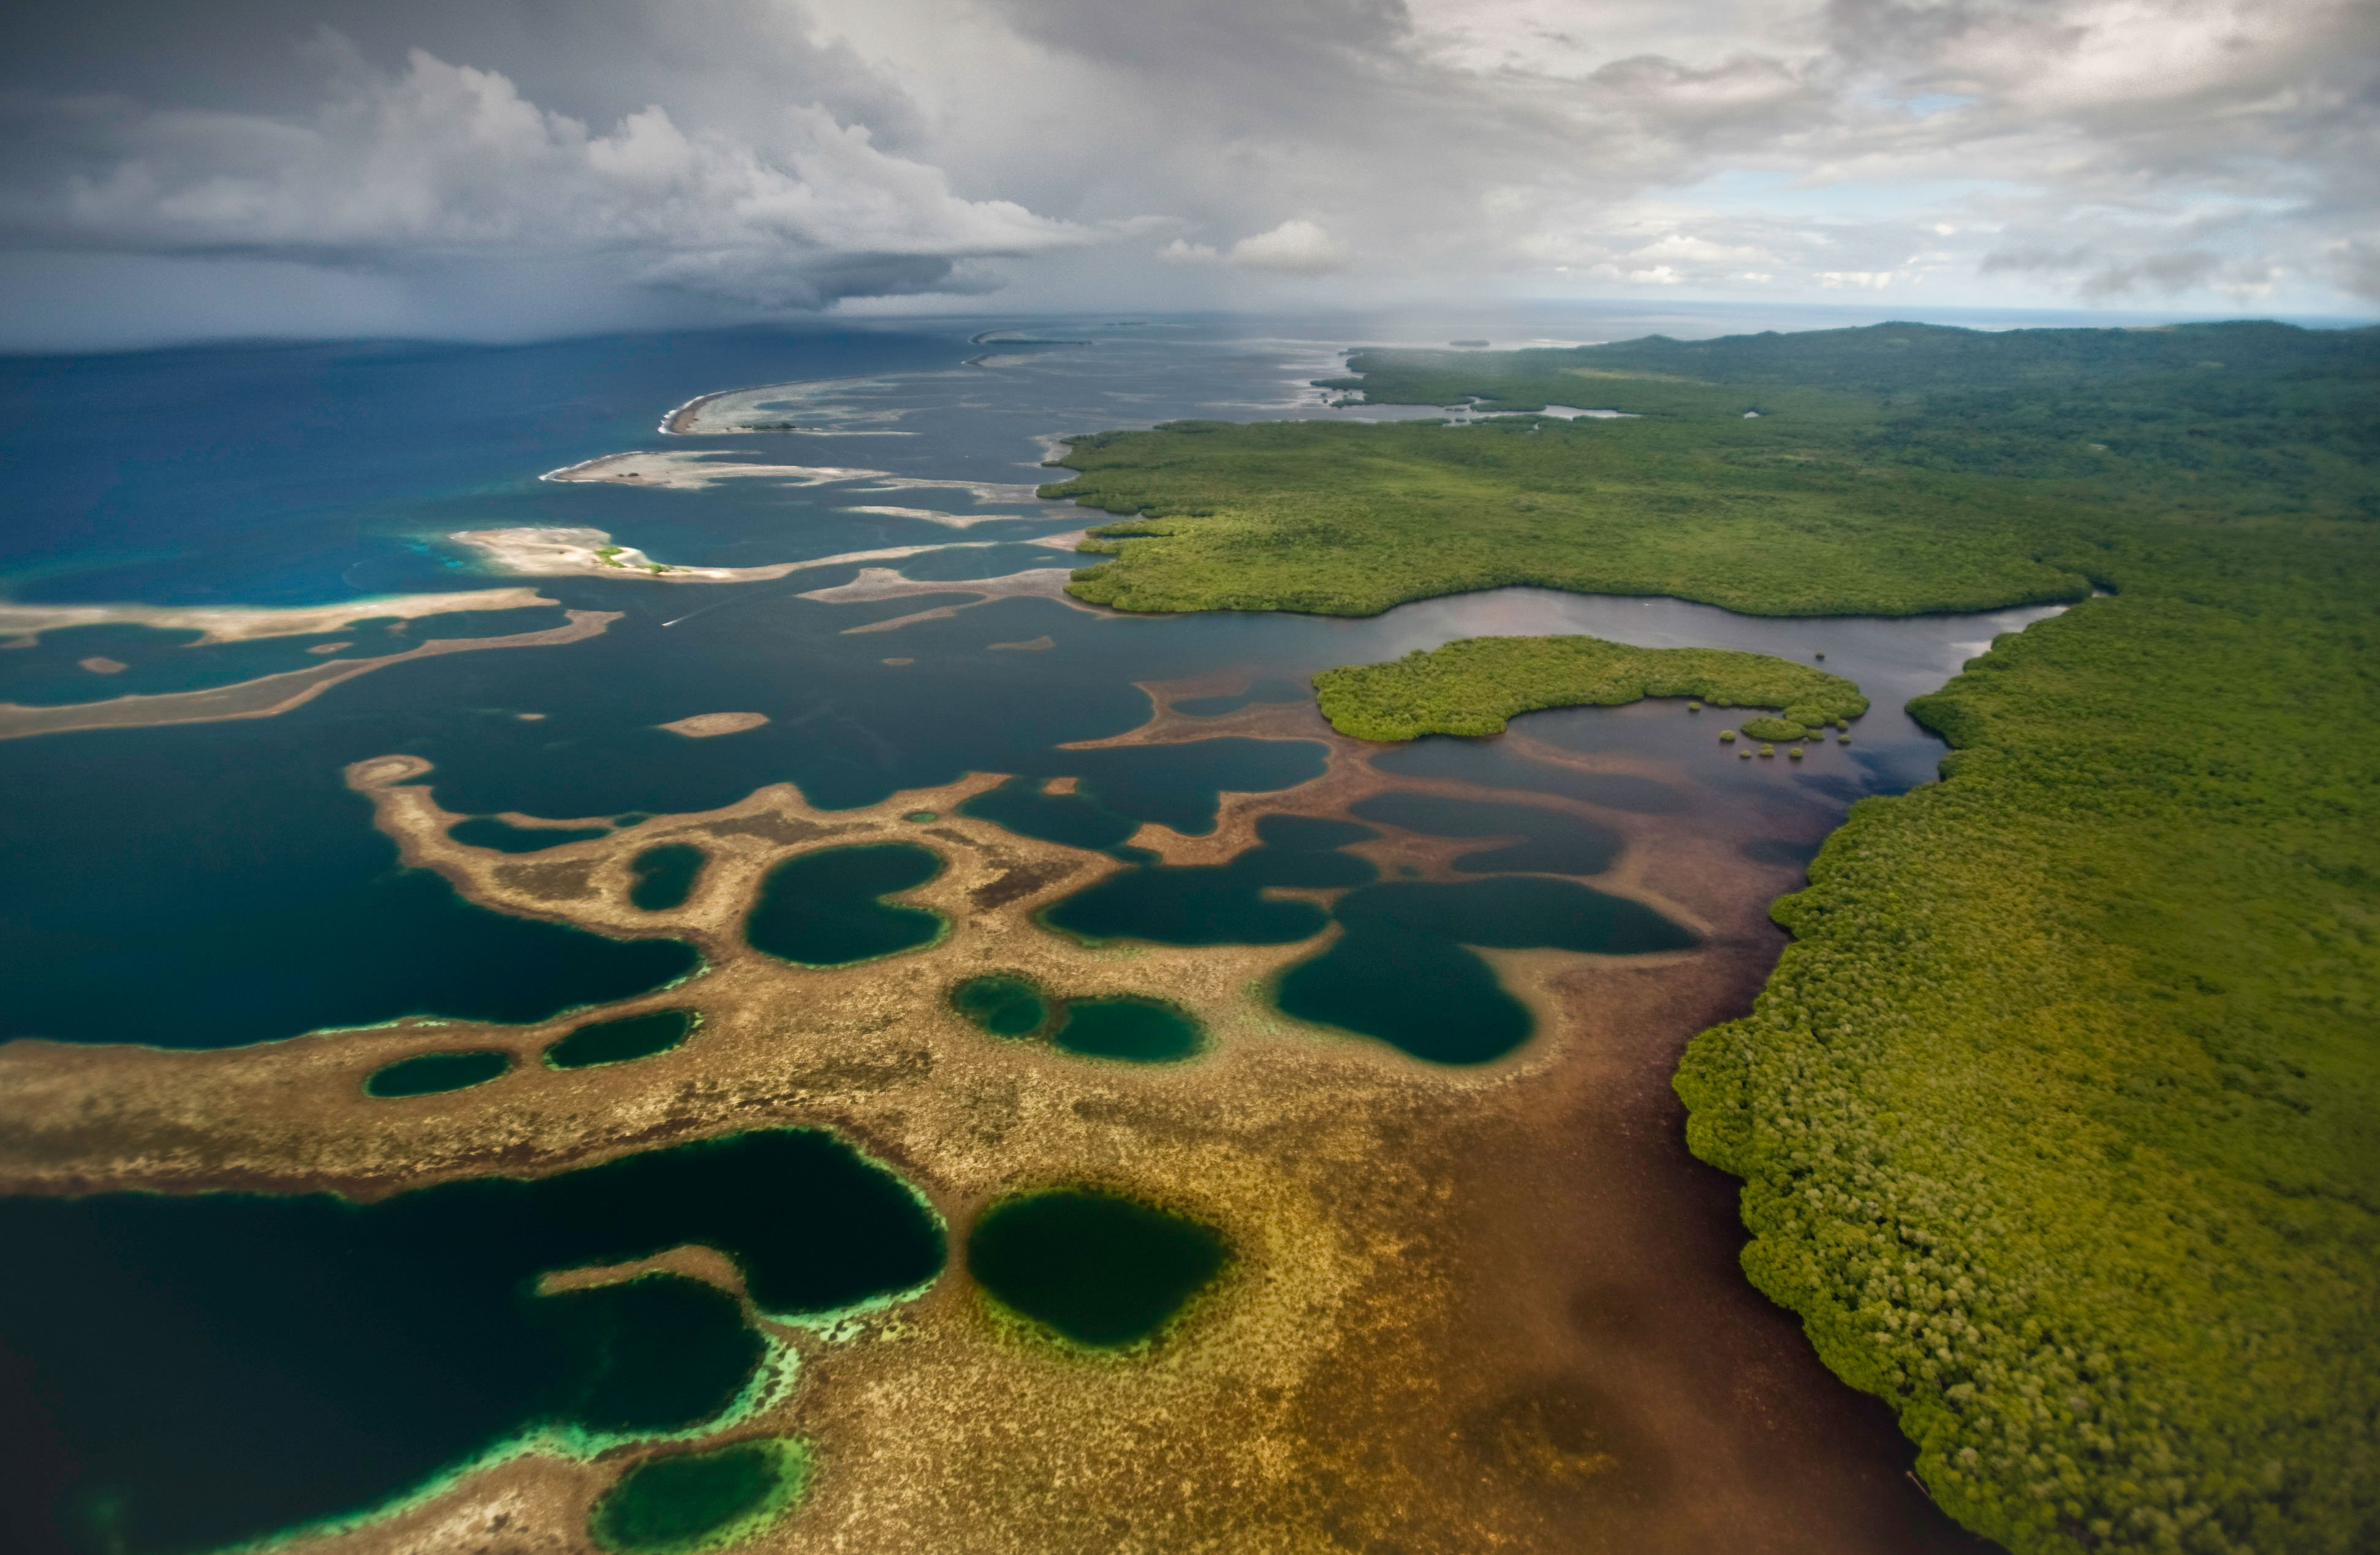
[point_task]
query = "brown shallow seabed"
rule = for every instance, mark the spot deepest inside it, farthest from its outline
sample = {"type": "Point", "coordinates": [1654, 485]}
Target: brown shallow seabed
{"type": "Point", "coordinates": [1473, 1309]}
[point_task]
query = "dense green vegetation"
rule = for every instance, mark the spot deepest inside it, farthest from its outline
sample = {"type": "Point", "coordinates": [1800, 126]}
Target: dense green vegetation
{"type": "Point", "coordinates": [1914, 469]}
{"type": "Point", "coordinates": [1472, 685]}
{"type": "Point", "coordinates": [2060, 1118]}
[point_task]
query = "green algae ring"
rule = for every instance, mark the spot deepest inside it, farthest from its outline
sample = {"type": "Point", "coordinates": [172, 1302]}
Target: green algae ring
{"type": "Point", "coordinates": [691, 1501]}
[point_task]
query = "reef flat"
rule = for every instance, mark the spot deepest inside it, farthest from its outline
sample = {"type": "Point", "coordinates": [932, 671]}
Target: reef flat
{"type": "Point", "coordinates": [1392, 1269]}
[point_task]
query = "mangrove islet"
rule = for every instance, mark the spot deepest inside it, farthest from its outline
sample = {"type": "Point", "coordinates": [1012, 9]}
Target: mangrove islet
{"type": "Point", "coordinates": [827, 908]}
{"type": "Point", "coordinates": [682, 1503]}
{"type": "Point", "coordinates": [618, 1041]}
{"type": "Point", "coordinates": [664, 877]}
{"type": "Point", "coordinates": [353, 1353]}
{"type": "Point", "coordinates": [430, 1074]}
{"type": "Point", "coordinates": [1098, 1270]}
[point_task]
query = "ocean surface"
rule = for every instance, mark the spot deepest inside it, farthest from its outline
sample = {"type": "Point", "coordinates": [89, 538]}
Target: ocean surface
{"type": "Point", "coordinates": [213, 884]}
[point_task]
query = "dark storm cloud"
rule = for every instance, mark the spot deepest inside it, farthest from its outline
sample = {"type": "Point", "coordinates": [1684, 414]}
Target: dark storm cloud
{"type": "Point", "coordinates": [419, 159]}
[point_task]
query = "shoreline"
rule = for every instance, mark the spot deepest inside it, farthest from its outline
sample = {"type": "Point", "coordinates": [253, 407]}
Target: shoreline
{"type": "Point", "coordinates": [20, 624]}
{"type": "Point", "coordinates": [584, 553]}
{"type": "Point", "coordinates": [267, 695]}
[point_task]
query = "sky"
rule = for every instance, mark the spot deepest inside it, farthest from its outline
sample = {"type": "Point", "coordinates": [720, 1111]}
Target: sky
{"type": "Point", "coordinates": [507, 169]}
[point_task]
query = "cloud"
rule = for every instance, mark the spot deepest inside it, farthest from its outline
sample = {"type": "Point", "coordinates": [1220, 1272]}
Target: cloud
{"type": "Point", "coordinates": [1296, 247]}
{"type": "Point", "coordinates": [754, 154]}
{"type": "Point", "coordinates": [443, 162]}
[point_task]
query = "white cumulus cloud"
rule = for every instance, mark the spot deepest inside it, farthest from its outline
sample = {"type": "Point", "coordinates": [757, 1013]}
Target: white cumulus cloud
{"type": "Point", "coordinates": [447, 160]}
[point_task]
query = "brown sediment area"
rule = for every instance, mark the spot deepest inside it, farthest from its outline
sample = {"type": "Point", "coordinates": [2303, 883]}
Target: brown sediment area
{"type": "Point", "coordinates": [1471, 1309]}
{"type": "Point", "coordinates": [23, 623]}
{"type": "Point", "coordinates": [883, 583]}
{"type": "Point", "coordinates": [269, 695]}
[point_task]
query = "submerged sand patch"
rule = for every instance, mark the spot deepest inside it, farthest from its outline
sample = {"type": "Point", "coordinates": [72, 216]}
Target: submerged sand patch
{"type": "Point", "coordinates": [214, 624]}
{"type": "Point", "coordinates": [883, 583]}
{"type": "Point", "coordinates": [709, 726]}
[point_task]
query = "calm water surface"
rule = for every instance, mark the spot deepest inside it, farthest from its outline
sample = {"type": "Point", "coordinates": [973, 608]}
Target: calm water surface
{"type": "Point", "coordinates": [209, 885]}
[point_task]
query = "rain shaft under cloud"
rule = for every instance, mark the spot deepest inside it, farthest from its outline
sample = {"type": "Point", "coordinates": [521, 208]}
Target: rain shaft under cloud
{"type": "Point", "coordinates": [508, 168]}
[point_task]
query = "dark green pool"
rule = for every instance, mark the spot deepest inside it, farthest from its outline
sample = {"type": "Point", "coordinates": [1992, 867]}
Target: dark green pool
{"type": "Point", "coordinates": [618, 1041]}
{"type": "Point", "coordinates": [664, 877]}
{"type": "Point", "coordinates": [683, 1502]}
{"type": "Point", "coordinates": [217, 1367]}
{"type": "Point", "coordinates": [486, 831]}
{"type": "Point", "coordinates": [827, 908]}
{"type": "Point", "coordinates": [1097, 1268]}
{"type": "Point", "coordinates": [428, 1074]}
{"type": "Point", "coordinates": [1006, 1006]}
